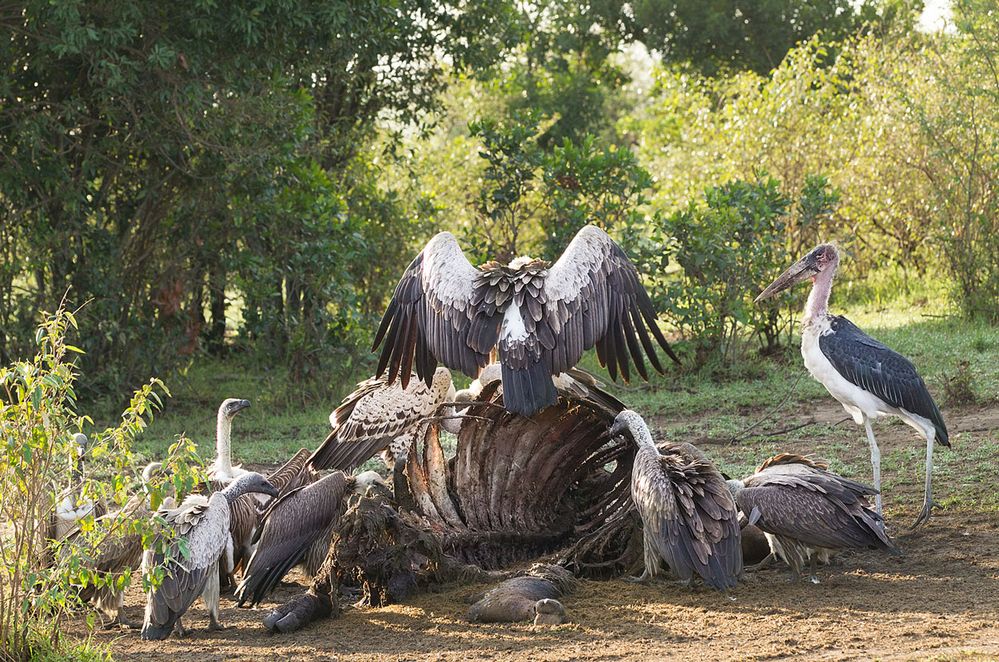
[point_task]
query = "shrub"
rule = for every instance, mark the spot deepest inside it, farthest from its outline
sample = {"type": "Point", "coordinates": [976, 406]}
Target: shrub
{"type": "Point", "coordinates": [729, 246]}
{"type": "Point", "coordinates": [39, 576]}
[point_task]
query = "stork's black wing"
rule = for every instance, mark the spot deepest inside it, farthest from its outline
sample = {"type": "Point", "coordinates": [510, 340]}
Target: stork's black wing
{"type": "Point", "coordinates": [594, 297]}
{"type": "Point", "coordinates": [872, 366]}
{"type": "Point", "coordinates": [432, 317]}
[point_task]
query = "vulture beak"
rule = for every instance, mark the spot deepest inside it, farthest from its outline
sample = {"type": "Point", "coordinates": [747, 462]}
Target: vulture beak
{"type": "Point", "coordinates": [620, 428]}
{"type": "Point", "coordinates": [804, 268]}
{"type": "Point", "coordinates": [238, 406]}
{"type": "Point", "coordinates": [269, 490]}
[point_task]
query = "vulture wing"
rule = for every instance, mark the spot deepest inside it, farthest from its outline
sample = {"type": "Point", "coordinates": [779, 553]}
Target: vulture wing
{"type": "Point", "coordinates": [865, 362]}
{"type": "Point", "coordinates": [433, 317]}
{"type": "Point", "coordinates": [292, 474]}
{"type": "Point", "coordinates": [290, 526]}
{"type": "Point", "coordinates": [377, 417]}
{"type": "Point", "coordinates": [204, 524]}
{"type": "Point", "coordinates": [594, 298]}
{"type": "Point", "coordinates": [813, 506]}
{"type": "Point", "coordinates": [689, 513]}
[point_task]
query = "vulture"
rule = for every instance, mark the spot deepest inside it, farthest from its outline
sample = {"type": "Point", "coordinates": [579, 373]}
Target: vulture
{"type": "Point", "coordinates": [689, 519]}
{"type": "Point", "coordinates": [297, 528]}
{"type": "Point", "coordinates": [868, 378]}
{"type": "Point", "coordinates": [71, 507]}
{"type": "Point", "coordinates": [191, 566]}
{"type": "Point", "coordinates": [120, 552]}
{"type": "Point", "coordinates": [222, 471]}
{"type": "Point", "coordinates": [382, 416]}
{"type": "Point", "coordinates": [540, 317]}
{"type": "Point", "coordinates": [806, 511]}
{"type": "Point", "coordinates": [246, 509]}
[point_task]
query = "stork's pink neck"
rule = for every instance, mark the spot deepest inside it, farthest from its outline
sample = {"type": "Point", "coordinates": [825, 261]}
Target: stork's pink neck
{"type": "Point", "coordinates": [818, 298]}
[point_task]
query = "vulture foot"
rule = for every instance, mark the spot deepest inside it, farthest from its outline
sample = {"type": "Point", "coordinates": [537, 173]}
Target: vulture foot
{"type": "Point", "coordinates": [180, 630]}
{"type": "Point", "coordinates": [120, 621]}
{"type": "Point", "coordinates": [765, 563]}
{"type": "Point", "coordinates": [217, 626]}
{"type": "Point", "coordinates": [645, 578]}
{"type": "Point", "coordinates": [298, 612]}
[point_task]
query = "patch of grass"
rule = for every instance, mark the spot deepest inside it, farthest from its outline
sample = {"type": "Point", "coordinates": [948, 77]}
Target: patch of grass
{"type": "Point", "coordinates": [697, 407]}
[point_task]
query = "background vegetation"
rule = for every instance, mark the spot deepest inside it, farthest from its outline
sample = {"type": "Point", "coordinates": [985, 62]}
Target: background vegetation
{"type": "Point", "coordinates": [252, 178]}
{"type": "Point", "coordinates": [226, 193]}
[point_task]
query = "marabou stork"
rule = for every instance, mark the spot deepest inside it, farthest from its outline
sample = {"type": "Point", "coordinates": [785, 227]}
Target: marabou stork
{"type": "Point", "coordinates": [868, 378]}
{"type": "Point", "coordinates": [541, 317]}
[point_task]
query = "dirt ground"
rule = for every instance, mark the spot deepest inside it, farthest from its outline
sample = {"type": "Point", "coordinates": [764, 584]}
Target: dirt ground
{"type": "Point", "coordinates": [940, 599]}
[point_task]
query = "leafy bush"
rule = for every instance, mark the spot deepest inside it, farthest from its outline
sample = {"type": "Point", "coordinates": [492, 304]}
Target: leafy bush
{"type": "Point", "coordinates": [39, 576]}
{"type": "Point", "coordinates": [730, 246]}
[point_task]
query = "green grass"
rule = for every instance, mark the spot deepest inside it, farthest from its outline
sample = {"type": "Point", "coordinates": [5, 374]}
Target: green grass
{"type": "Point", "coordinates": [681, 406]}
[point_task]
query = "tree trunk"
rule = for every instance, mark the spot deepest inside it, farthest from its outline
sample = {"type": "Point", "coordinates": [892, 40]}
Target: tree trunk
{"type": "Point", "coordinates": [216, 293]}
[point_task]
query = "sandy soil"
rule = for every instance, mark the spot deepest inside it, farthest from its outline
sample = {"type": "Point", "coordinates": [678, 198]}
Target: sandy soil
{"type": "Point", "coordinates": [940, 600]}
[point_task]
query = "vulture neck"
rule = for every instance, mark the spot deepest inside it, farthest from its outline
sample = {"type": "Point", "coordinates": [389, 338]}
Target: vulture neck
{"type": "Point", "coordinates": [234, 490]}
{"type": "Point", "coordinates": [223, 449]}
{"type": "Point", "coordinates": [643, 438]}
{"type": "Point", "coordinates": [818, 299]}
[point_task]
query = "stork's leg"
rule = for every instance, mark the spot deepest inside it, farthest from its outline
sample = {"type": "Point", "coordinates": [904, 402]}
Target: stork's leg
{"type": "Point", "coordinates": [924, 514]}
{"type": "Point", "coordinates": [875, 462]}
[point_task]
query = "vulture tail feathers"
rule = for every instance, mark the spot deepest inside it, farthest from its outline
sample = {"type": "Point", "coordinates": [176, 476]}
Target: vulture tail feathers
{"type": "Point", "coordinates": [529, 390]}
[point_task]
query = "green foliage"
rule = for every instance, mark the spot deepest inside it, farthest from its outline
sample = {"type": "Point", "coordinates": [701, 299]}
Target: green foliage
{"type": "Point", "coordinates": [39, 473]}
{"type": "Point", "coordinates": [958, 118]}
{"type": "Point", "coordinates": [144, 144]}
{"type": "Point", "coordinates": [716, 36]}
{"type": "Point", "coordinates": [586, 183]}
{"type": "Point", "coordinates": [730, 246]}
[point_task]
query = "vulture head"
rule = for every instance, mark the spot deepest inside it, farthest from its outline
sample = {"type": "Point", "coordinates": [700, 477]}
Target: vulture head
{"type": "Point", "coordinates": [248, 483]}
{"type": "Point", "coordinates": [632, 426]}
{"type": "Point", "coordinates": [549, 612]}
{"type": "Point", "coordinates": [821, 258]}
{"type": "Point", "coordinates": [80, 443]}
{"type": "Point", "coordinates": [231, 407]}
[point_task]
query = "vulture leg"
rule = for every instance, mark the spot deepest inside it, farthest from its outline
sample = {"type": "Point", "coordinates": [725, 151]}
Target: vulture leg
{"type": "Point", "coordinates": [765, 563]}
{"type": "Point", "coordinates": [644, 578]}
{"type": "Point", "coordinates": [211, 598]}
{"type": "Point", "coordinates": [924, 514]}
{"type": "Point", "coordinates": [811, 567]}
{"type": "Point", "coordinates": [875, 463]}
{"type": "Point", "coordinates": [179, 628]}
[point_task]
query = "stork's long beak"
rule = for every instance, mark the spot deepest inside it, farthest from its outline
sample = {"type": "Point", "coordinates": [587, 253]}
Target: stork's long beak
{"type": "Point", "coordinates": [804, 268]}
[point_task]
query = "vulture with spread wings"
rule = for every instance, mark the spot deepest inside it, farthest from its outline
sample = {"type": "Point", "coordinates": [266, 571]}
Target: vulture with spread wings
{"type": "Point", "coordinates": [540, 317]}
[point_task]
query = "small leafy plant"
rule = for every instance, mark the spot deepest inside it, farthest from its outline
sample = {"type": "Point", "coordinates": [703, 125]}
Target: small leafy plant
{"type": "Point", "coordinates": [41, 471]}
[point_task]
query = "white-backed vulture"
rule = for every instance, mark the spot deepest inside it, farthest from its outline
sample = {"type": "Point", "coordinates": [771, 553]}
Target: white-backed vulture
{"type": "Point", "coordinates": [222, 470]}
{"type": "Point", "coordinates": [540, 317]}
{"type": "Point", "coordinates": [689, 519]}
{"type": "Point", "coordinates": [379, 416]}
{"type": "Point", "coordinates": [806, 510]}
{"type": "Point", "coordinates": [297, 528]}
{"type": "Point", "coordinates": [203, 524]}
{"type": "Point", "coordinates": [120, 551]}
{"type": "Point", "coordinates": [70, 506]}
